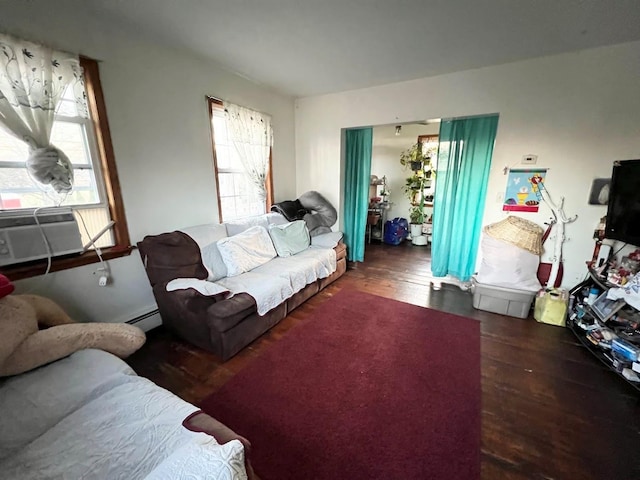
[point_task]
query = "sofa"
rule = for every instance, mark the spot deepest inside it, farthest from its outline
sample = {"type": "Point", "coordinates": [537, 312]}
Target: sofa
{"type": "Point", "coordinates": [90, 416]}
{"type": "Point", "coordinates": [201, 302]}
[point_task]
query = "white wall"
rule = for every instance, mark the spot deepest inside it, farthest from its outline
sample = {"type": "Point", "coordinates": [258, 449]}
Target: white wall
{"type": "Point", "coordinates": [385, 160]}
{"type": "Point", "coordinates": [157, 112]}
{"type": "Point", "coordinates": [578, 112]}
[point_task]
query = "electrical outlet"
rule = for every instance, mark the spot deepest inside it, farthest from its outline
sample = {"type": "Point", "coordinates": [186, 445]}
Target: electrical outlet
{"type": "Point", "coordinates": [529, 159]}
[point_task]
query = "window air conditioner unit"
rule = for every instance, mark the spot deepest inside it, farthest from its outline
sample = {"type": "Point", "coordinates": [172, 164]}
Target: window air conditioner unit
{"type": "Point", "coordinates": [21, 237]}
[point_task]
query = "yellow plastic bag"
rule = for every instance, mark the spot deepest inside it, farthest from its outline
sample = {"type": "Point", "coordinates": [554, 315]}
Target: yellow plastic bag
{"type": "Point", "coordinates": [551, 307]}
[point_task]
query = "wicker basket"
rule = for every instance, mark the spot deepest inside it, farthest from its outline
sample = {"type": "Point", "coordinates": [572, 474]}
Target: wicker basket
{"type": "Point", "coordinates": [519, 232]}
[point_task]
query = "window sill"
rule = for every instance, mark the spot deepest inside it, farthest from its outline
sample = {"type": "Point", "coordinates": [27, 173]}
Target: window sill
{"type": "Point", "coordinates": [39, 267]}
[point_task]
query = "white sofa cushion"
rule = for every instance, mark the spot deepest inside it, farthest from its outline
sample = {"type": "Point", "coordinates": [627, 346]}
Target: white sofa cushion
{"type": "Point", "coordinates": [239, 225]}
{"type": "Point", "coordinates": [268, 291]}
{"type": "Point", "coordinates": [302, 269]}
{"type": "Point", "coordinates": [234, 227]}
{"type": "Point", "coordinates": [35, 401]}
{"type": "Point", "coordinates": [275, 218]}
{"type": "Point", "coordinates": [290, 238]}
{"type": "Point", "coordinates": [207, 237]}
{"type": "Point", "coordinates": [275, 281]}
{"type": "Point", "coordinates": [247, 250]}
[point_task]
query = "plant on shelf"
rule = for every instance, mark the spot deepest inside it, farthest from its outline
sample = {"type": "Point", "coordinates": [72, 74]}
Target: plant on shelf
{"type": "Point", "coordinates": [413, 158]}
{"type": "Point", "coordinates": [418, 156]}
{"type": "Point", "coordinates": [418, 160]}
{"type": "Point", "coordinates": [413, 186]}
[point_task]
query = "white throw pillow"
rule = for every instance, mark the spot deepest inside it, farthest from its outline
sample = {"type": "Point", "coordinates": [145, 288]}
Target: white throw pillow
{"type": "Point", "coordinates": [290, 238]}
{"type": "Point", "coordinates": [247, 250]}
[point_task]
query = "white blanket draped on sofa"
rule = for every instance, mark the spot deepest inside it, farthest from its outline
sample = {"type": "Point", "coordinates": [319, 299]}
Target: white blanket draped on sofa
{"type": "Point", "coordinates": [90, 416]}
{"type": "Point", "coordinates": [274, 282]}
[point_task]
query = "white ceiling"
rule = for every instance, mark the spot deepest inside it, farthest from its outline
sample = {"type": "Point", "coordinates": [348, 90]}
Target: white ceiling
{"type": "Point", "coordinates": [308, 47]}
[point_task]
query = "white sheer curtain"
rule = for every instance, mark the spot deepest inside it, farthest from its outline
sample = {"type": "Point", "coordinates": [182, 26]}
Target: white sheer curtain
{"type": "Point", "coordinates": [32, 80]}
{"type": "Point", "coordinates": [251, 135]}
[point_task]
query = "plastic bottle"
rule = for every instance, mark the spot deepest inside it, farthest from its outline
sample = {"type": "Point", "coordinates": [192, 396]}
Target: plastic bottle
{"type": "Point", "coordinates": [593, 294]}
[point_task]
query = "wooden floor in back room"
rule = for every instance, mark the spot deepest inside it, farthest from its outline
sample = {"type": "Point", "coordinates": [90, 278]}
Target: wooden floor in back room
{"type": "Point", "coordinates": [550, 410]}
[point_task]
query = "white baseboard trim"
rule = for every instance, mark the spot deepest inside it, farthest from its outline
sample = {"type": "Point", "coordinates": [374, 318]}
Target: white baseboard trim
{"type": "Point", "coordinates": [147, 321]}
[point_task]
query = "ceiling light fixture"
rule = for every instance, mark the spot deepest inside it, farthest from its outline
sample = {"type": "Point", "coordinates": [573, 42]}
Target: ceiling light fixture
{"type": "Point", "coordinates": [398, 128]}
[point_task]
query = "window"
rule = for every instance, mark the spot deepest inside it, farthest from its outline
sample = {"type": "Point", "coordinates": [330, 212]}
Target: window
{"type": "Point", "coordinates": [237, 195]}
{"type": "Point", "coordinates": [75, 136]}
{"type": "Point", "coordinates": [95, 197]}
{"type": "Point", "coordinates": [429, 147]}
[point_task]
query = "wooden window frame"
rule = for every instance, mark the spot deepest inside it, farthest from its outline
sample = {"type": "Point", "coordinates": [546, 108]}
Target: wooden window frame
{"type": "Point", "coordinates": [216, 103]}
{"type": "Point", "coordinates": [427, 138]}
{"type": "Point", "coordinates": [122, 247]}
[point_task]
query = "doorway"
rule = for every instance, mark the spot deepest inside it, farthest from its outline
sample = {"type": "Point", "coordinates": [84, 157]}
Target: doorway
{"type": "Point", "coordinates": [402, 183]}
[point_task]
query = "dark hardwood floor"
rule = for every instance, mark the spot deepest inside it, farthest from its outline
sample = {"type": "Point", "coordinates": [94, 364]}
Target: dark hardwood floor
{"type": "Point", "coordinates": [550, 410]}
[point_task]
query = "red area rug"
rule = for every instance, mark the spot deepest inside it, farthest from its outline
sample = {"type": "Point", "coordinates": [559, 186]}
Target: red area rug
{"type": "Point", "coordinates": [368, 388]}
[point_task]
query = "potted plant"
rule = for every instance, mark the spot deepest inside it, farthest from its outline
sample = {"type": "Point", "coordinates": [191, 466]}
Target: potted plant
{"type": "Point", "coordinates": [412, 157]}
{"type": "Point", "coordinates": [416, 216]}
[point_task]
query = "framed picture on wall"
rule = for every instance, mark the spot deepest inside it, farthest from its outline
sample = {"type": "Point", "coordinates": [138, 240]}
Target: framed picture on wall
{"type": "Point", "coordinates": [521, 193]}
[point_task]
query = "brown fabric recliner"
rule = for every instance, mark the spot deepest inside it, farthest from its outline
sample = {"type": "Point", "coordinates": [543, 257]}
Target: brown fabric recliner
{"type": "Point", "coordinates": [222, 326]}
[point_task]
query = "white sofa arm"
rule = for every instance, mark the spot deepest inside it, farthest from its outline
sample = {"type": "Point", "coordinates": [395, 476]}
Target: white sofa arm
{"type": "Point", "coordinates": [327, 240]}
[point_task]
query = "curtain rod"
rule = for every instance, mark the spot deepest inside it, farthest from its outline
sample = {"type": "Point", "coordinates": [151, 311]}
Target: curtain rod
{"type": "Point", "coordinates": [223, 101]}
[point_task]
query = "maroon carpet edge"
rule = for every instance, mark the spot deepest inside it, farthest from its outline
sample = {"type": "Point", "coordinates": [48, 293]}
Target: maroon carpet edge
{"type": "Point", "coordinates": [368, 388]}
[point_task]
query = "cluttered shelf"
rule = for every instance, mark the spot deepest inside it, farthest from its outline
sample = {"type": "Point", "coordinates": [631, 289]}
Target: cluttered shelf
{"type": "Point", "coordinates": [598, 279]}
{"type": "Point", "coordinates": [597, 351]}
{"type": "Point", "coordinates": [605, 318]}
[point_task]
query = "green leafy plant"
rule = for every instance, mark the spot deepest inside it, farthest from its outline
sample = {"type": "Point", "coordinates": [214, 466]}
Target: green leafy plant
{"type": "Point", "coordinates": [416, 184]}
{"type": "Point", "coordinates": [419, 162]}
{"type": "Point", "coordinates": [418, 157]}
{"type": "Point", "coordinates": [416, 214]}
{"type": "Point", "coordinates": [412, 156]}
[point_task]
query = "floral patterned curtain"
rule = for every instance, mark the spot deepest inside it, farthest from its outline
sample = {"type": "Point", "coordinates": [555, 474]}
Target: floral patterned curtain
{"type": "Point", "coordinates": [251, 134]}
{"type": "Point", "coordinates": [33, 79]}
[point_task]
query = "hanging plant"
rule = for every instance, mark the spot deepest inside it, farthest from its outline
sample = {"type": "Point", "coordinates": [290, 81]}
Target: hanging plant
{"type": "Point", "coordinates": [412, 157]}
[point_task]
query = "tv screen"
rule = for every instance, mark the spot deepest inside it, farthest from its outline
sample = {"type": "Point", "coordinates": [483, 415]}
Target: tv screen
{"type": "Point", "coordinates": [623, 215]}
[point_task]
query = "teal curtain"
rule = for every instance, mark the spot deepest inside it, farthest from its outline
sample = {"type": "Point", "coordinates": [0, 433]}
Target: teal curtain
{"type": "Point", "coordinates": [358, 143]}
{"type": "Point", "coordinates": [464, 159]}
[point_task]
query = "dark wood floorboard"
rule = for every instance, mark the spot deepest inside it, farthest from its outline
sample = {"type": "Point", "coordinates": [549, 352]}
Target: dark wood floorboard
{"type": "Point", "coordinates": [550, 410]}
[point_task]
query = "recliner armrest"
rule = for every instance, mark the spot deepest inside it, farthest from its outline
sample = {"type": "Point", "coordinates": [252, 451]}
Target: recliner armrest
{"type": "Point", "coordinates": [226, 314]}
{"type": "Point", "coordinates": [188, 308]}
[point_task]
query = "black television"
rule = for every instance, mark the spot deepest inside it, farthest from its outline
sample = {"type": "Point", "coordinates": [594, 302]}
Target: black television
{"type": "Point", "coordinates": [623, 214]}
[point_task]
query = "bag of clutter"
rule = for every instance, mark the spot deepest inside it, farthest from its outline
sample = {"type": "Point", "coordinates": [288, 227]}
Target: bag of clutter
{"type": "Point", "coordinates": [395, 231]}
{"type": "Point", "coordinates": [511, 252]}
